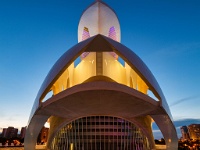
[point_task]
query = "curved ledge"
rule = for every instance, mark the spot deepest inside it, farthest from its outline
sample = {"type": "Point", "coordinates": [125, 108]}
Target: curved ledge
{"type": "Point", "coordinates": [97, 98]}
{"type": "Point", "coordinates": [111, 45]}
{"type": "Point", "coordinates": [107, 99]}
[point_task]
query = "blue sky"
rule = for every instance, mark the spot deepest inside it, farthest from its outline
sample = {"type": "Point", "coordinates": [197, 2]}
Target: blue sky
{"type": "Point", "coordinates": [35, 33]}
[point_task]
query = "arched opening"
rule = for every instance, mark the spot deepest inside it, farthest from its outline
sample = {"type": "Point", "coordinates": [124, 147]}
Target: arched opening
{"type": "Point", "coordinates": [48, 95]}
{"type": "Point", "coordinates": [150, 94]}
{"type": "Point", "coordinates": [100, 133]}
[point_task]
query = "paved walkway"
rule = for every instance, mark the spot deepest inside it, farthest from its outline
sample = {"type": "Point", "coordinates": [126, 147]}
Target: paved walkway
{"type": "Point", "coordinates": [40, 147]}
{"type": "Point", "coordinates": [158, 147]}
{"type": "Point", "coordinates": [12, 148]}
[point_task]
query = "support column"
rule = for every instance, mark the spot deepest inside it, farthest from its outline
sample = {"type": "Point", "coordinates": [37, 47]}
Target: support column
{"type": "Point", "coordinates": [99, 63]}
{"type": "Point", "coordinates": [33, 130]}
{"type": "Point", "coordinates": [168, 130]}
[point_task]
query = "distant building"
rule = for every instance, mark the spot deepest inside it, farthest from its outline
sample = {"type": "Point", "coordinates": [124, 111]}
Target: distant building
{"type": "Point", "coordinates": [185, 133]}
{"type": "Point", "coordinates": [4, 132]}
{"type": "Point", "coordinates": [194, 131]}
{"type": "Point", "coordinates": [9, 132]}
{"type": "Point", "coordinates": [23, 132]}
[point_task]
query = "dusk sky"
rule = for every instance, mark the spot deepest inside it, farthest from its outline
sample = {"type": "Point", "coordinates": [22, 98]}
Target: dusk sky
{"type": "Point", "coordinates": [165, 34]}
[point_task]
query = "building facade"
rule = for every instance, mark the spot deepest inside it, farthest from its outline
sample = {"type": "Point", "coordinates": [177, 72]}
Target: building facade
{"type": "Point", "coordinates": [194, 131]}
{"type": "Point", "coordinates": [23, 132]}
{"type": "Point", "coordinates": [3, 134]}
{"type": "Point", "coordinates": [100, 94]}
{"type": "Point", "coordinates": [100, 132]}
{"type": "Point", "coordinates": [10, 132]}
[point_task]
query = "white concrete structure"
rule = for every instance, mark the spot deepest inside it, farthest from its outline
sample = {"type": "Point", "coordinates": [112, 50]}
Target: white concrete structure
{"type": "Point", "coordinates": [100, 88]}
{"type": "Point", "coordinates": [99, 18]}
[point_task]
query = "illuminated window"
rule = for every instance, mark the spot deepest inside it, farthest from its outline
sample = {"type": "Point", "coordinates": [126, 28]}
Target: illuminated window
{"type": "Point", "coordinates": [108, 133]}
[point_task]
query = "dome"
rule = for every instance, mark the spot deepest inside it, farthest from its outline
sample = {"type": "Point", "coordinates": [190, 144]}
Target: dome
{"type": "Point", "coordinates": [99, 18]}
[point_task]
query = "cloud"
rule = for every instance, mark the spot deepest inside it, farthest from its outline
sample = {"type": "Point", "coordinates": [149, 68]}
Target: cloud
{"type": "Point", "coordinates": [183, 100]}
{"type": "Point", "coordinates": [186, 122]}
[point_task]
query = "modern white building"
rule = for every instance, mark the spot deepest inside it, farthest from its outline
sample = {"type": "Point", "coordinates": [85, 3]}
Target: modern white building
{"type": "Point", "coordinates": [103, 95]}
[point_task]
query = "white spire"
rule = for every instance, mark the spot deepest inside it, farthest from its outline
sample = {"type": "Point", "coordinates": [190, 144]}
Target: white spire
{"type": "Point", "coordinates": [99, 18]}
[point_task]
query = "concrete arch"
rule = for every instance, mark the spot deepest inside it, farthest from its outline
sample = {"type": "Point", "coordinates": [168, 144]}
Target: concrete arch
{"type": "Point", "coordinates": [84, 100]}
{"type": "Point", "coordinates": [100, 43]}
{"type": "Point", "coordinates": [158, 110]}
{"type": "Point", "coordinates": [144, 123]}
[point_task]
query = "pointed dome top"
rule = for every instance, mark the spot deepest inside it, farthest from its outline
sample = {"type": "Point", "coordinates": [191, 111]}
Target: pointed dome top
{"type": "Point", "coordinates": [99, 18]}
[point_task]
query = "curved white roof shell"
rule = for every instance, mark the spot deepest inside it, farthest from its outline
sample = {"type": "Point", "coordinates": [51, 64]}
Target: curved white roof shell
{"type": "Point", "coordinates": [159, 110]}
{"type": "Point", "coordinates": [99, 36]}
{"type": "Point", "coordinates": [99, 18]}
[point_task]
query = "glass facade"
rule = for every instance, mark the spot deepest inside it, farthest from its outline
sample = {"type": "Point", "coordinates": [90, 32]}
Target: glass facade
{"type": "Point", "coordinates": [100, 133]}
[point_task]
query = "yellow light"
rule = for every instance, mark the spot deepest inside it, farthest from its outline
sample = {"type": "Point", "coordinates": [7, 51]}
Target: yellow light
{"type": "Point", "coordinates": [47, 125]}
{"type": "Point", "coordinates": [71, 146]}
